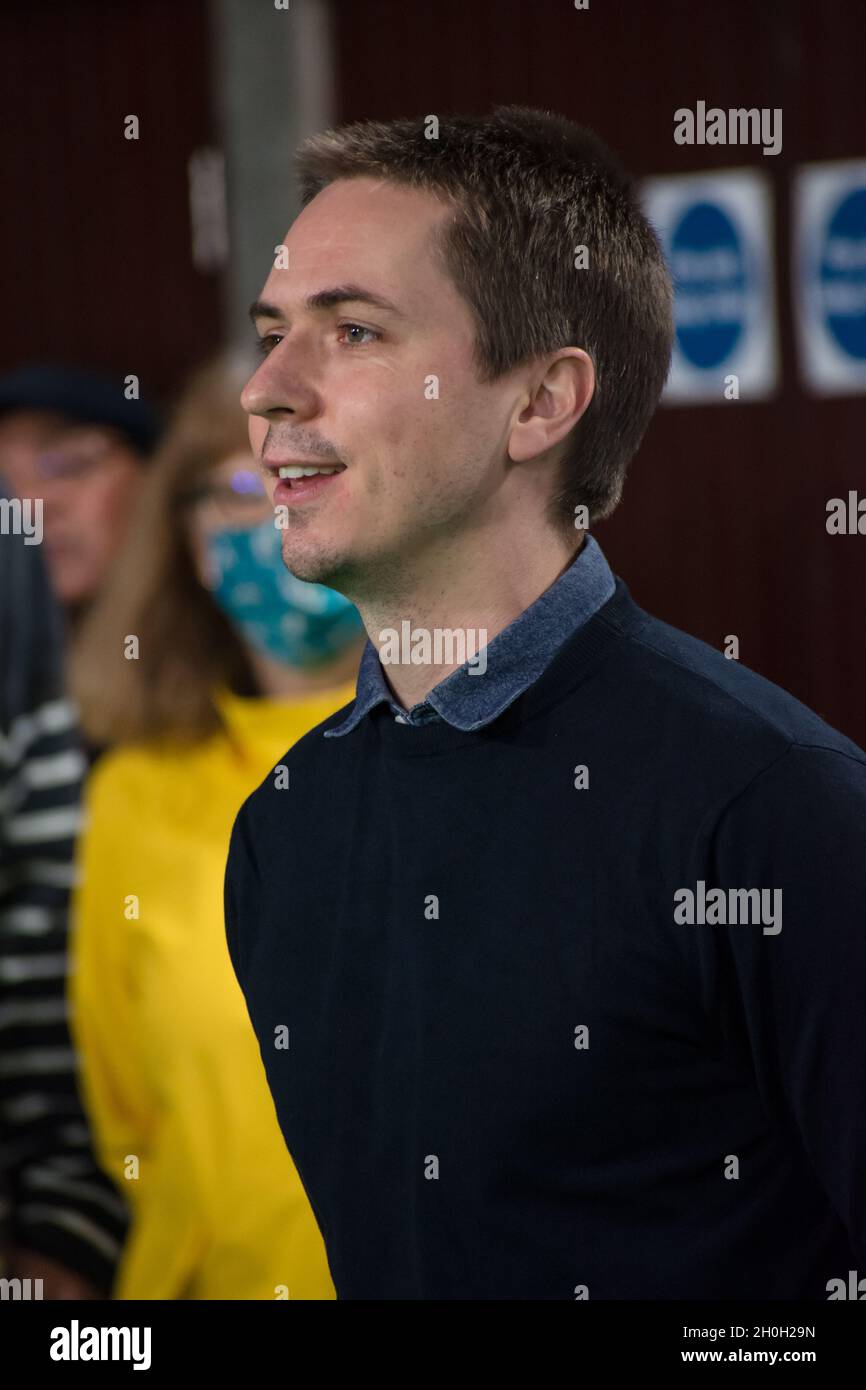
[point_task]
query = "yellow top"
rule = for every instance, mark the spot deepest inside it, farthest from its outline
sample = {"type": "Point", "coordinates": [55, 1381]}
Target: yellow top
{"type": "Point", "coordinates": [170, 1067]}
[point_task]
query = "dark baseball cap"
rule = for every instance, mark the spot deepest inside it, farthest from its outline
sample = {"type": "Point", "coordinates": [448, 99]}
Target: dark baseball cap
{"type": "Point", "coordinates": [86, 396]}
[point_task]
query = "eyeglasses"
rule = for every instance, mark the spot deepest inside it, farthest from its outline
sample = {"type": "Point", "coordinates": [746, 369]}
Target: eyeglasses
{"type": "Point", "coordinates": [75, 456]}
{"type": "Point", "coordinates": [240, 500]}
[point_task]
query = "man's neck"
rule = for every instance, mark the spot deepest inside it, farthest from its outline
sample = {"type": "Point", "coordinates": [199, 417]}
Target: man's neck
{"type": "Point", "coordinates": [489, 593]}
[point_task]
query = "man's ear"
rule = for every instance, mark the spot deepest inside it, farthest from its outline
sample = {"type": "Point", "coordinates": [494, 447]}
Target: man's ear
{"type": "Point", "coordinates": [556, 402]}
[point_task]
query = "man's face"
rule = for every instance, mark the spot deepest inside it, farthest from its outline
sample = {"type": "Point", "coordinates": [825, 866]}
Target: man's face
{"type": "Point", "coordinates": [87, 477]}
{"type": "Point", "coordinates": [390, 393]}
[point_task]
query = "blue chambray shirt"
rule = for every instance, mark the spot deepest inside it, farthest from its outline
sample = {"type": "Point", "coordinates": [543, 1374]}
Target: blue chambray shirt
{"type": "Point", "coordinates": [516, 656]}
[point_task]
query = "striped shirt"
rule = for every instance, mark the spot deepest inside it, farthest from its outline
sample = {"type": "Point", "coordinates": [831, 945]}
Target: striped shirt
{"type": "Point", "coordinates": [54, 1199]}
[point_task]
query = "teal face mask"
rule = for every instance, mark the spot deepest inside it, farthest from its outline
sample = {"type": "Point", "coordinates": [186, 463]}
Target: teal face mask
{"type": "Point", "coordinates": [283, 617]}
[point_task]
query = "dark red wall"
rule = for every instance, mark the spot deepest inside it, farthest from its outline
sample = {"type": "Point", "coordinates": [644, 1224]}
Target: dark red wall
{"type": "Point", "coordinates": [721, 529]}
{"type": "Point", "coordinates": [95, 238]}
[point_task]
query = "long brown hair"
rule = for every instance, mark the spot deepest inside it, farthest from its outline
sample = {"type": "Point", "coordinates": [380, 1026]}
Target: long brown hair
{"type": "Point", "coordinates": [186, 647]}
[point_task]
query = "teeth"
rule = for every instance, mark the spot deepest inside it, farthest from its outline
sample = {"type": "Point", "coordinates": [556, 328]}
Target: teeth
{"type": "Point", "coordinates": [293, 472]}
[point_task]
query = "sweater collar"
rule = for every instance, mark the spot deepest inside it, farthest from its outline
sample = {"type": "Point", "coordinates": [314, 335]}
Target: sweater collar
{"type": "Point", "coordinates": [516, 657]}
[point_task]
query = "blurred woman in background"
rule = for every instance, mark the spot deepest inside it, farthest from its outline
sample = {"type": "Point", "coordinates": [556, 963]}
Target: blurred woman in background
{"type": "Point", "coordinates": [206, 661]}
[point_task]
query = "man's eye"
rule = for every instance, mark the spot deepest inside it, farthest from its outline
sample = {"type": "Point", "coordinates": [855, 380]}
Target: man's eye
{"type": "Point", "coordinates": [359, 328]}
{"type": "Point", "coordinates": [268, 343]}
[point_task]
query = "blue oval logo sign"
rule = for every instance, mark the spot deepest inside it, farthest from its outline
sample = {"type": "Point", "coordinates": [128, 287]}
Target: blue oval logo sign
{"type": "Point", "coordinates": [842, 273]}
{"type": "Point", "coordinates": [711, 279]}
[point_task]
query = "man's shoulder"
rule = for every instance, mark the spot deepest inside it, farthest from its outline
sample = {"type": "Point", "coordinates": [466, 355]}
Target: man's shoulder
{"type": "Point", "coordinates": [717, 698]}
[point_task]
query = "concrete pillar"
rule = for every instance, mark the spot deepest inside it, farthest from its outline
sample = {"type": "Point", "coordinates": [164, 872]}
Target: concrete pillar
{"type": "Point", "coordinates": [273, 86]}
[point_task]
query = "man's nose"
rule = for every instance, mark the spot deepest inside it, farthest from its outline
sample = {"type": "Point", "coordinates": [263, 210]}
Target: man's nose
{"type": "Point", "coordinates": [255, 395]}
{"type": "Point", "coordinates": [283, 382]}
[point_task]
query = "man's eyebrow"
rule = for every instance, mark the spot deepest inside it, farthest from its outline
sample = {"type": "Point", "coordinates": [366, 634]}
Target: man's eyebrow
{"type": "Point", "coordinates": [327, 299]}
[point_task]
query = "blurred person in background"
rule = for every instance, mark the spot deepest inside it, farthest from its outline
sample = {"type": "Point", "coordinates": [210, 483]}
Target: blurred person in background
{"type": "Point", "coordinates": [204, 661]}
{"type": "Point", "coordinates": [71, 438]}
{"type": "Point", "coordinates": [61, 1221]}
{"type": "Point", "coordinates": [73, 451]}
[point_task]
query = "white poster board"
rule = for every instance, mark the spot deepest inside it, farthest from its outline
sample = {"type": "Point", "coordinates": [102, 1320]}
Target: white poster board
{"type": "Point", "coordinates": [829, 274]}
{"type": "Point", "coordinates": [717, 234]}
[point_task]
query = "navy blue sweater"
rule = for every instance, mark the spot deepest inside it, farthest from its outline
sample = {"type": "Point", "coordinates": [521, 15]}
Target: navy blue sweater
{"type": "Point", "coordinates": [524, 1037]}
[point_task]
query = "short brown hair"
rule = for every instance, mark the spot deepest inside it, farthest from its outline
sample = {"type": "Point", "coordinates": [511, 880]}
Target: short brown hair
{"type": "Point", "coordinates": [528, 188]}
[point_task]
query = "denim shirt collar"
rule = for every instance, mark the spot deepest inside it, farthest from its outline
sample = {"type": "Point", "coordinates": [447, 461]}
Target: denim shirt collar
{"type": "Point", "coordinates": [468, 698]}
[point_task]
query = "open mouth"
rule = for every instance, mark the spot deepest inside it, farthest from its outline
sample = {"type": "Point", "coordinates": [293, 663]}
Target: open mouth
{"type": "Point", "coordinates": [297, 482]}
